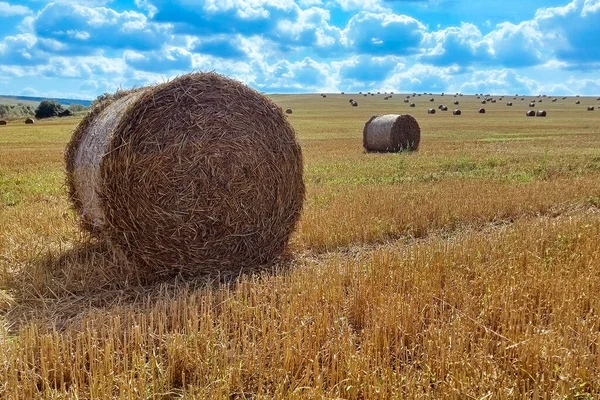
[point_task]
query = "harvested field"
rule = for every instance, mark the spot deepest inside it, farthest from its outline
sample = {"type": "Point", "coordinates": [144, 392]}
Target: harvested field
{"type": "Point", "coordinates": [468, 269]}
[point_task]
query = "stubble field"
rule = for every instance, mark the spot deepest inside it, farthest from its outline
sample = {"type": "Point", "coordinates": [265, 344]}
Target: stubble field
{"type": "Point", "coordinates": [468, 269]}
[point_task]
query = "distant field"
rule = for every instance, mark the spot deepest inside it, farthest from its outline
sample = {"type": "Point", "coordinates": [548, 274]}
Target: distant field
{"type": "Point", "coordinates": [468, 269]}
{"type": "Point", "coordinates": [34, 101]}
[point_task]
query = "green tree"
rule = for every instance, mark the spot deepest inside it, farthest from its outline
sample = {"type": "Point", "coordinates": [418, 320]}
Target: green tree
{"type": "Point", "coordinates": [48, 109]}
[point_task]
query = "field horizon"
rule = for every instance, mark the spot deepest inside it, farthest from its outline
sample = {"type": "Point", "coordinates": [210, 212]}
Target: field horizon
{"type": "Point", "coordinates": [467, 269]}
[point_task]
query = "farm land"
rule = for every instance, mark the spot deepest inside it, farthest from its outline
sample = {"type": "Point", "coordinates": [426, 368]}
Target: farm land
{"type": "Point", "coordinates": [469, 269]}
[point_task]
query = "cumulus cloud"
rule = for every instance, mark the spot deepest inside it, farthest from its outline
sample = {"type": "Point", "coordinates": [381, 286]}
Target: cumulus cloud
{"type": "Point", "coordinates": [168, 59]}
{"type": "Point", "coordinates": [79, 28]}
{"type": "Point", "coordinates": [371, 33]}
{"type": "Point", "coordinates": [365, 71]}
{"type": "Point", "coordinates": [9, 10]}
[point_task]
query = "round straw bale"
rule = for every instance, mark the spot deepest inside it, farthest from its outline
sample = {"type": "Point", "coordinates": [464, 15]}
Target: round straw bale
{"type": "Point", "coordinates": [530, 113]}
{"type": "Point", "coordinates": [482, 111]}
{"type": "Point", "coordinates": [412, 104]}
{"type": "Point", "coordinates": [540, 100]}
{"type": "Point", "coordinates": [391, 133]}
{"type": "Point", "coordinates": [350, 101]}
{"type": "Point", "coordinates": [509, 103]}
{"type": "Point", "coordinates": [431, 111]}
{"type": "Point", "coordinates": [554, 100]}
{"type": "Point", "coordinates": [456, 103]}
{"type": "Point", "coordinates": [288, 111]}
{"type": "Point", "coordinates": [2, 122]}
{"type": "Point", "coordinates": [444, 108]}
{"type": "Point", "coordinates": [590, 108]}
{"type": "Point", "coordinates": [432, 99]}
{"type": "Point", "coordinates": [578, 102]}
{"type": "Point", "coordinates": [406, 100]}
{"type": "Point", "coordinates": [541, 113]}
{"type": "Point", "coordinates": [493, 100]}
{"type": "Point", "coordinates": [354, 104]}
{"type": "Point", "coordinates": [483, 101]}
{"type": "Point", "coordinates": [440, 106]}
{"type": "Point", "coordinates": [598, 98]}
{"type": "Point", "coordinates": [195, 175]}
{"type": "Point", "coordinates": [30, 121]}
{"type": "Point", "coordinates": [532, 104]}
{"type": "Point", "coordinates": [456, 112]}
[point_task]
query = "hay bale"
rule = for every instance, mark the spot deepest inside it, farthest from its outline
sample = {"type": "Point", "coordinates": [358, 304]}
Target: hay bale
{"type": "Point", "coordinates": [406, 100]}
{"type": "Point", "coordinates": [30, 121]}
{"type": "Point", "coordinates": [456, 112]}
{"type": "Point", "coordinates": [354, 104]}
{"type": "Point", "coordinates": [2, 122]}
{"type": "Point", "coordinates": [350, 101]}
{"type": "Point", "coordinates": [590, 108]}
{"type": "Point", "coordinates": [432, 99]}
{"type": "Point", "coordinates": [444, 108]}
{"type": "Point", "coordinates": [530, 113]}
{"type": "Point", "coordinates": [532, 104]}
{"type": "Point", "coordinates": [288, 111]}
{"type": "Point", "coordinates": [456, 103]}
{"type": "Point", "coordinates": [412, 104]}
{"type": "Point", "coordinates": [578, 102]}
{"type": "Point", "coordinates": [431, 111]}
{"type": "Point", "coordinates": [483, 101]}
{"type": "Point", "coordinates": [540, 100]}
{"type": "Point", "coordinates": [509, 103]}
{"type": "Point", "coordinates": [540, 113]}
{"type": "Point", "coordinates": [554, 100]}
{"type": "Point", "coordinates": [482, 111]}
{"type": "Point", "coordinates": [598, 98]}
{"type": "Point", "coordinates": [194, 175]}
{"type": "Point", "coordinates": [391, 133]}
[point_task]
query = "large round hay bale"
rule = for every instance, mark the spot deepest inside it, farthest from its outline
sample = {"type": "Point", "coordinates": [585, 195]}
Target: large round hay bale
{"type": "Point", "coordinates": [509, 103]}
{"type": "Point", "coordinates": [289, 111]}
{"type": "Point", "coordinates": [2, 122]}
{"type": "Point", "coordinates": [578, 102]}
{"type": "Point", "coordinates": [456, 103]}
{"type": "Point", "coordinates": [590, 108]}
{"type": "Point", "coordinates": [431, 111]}
{"type": "Point", "coordinates": [532, 104]}
{"type": "Point", "coordinates": [30, 121]}
{"type": "Point", "coordinates": [195, 175]}
{"type": "Point", "coordinates": [456, 112]}
{"type": "Point", "coordinates": [541, 113]}
{"type": "Point", "coordinates": [412, 105]}
{"type": "Point", "coordinates": [391, 133]}
{"type": "Point", "coordinates": [530, 113]}
{"type": "Point", "coordinates": [482, 111]}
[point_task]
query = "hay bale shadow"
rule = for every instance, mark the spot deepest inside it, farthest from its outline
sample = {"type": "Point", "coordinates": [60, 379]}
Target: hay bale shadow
{"type": "Point", "coordinates": [58, 290]}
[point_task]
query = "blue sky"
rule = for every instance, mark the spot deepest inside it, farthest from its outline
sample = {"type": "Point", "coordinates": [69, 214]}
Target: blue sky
{"type": "Point", "coordinates": [84, 48]}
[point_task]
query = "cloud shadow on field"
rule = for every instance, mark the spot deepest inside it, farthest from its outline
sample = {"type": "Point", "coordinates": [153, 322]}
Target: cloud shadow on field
{"type": "Point", "coordinates": [58, 290]}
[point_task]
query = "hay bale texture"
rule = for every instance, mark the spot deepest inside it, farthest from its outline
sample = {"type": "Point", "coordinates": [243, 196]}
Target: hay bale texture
{"type": "Point", "coordinates": [391, 133]}
{"type": "Point", "coordinates": [196, 175]}
{"type": "Point", "coordinates": [30, 121]}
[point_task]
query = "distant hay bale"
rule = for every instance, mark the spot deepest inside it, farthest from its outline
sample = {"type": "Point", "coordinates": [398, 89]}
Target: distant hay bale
{"type": "Point", "coordinates": [483, 102]}
{"type": "Point", "coordinates": [456, 112]}
{"type": "Point", "coordinates": [391, 133]}
{"type": "Point", "coordinates": [444, 108]}
{"type": "Point", "coordinates": [30, 121]}
{"type": "Point", "coordinates": [431, 111]}
{"type": "Point", "coordinates": [493, 100]}
{"type": "Point", "coordinates": [578, 102]}
{"type": "Point", "coordinates": [288, 111]}
{"type": "Point", "coordinates": [530, 113]}
{"type": "Point", "coordinates": [440, 106]}
{"type": "Point", "coordinates": [2, 122]}
{"type": "Point", "coordinates": [324, 95]}
{"type": "Point", "coordinates": [509, 103]}
{"type": "Point", "coordinates": [598, 98]}
{"type": "Point", "coordinates": [541, 113]}
{"type": "Point", "coordinates": [412, 105]}
{"type": "Point", "coordinates": [199, 174]}
{"type": "Point", "coordinates": [532, 104]}
{"type": "Point", "coordinates": [482, 111]}
{"type": "Point", "coordinates": [432, 99]}
{"type": "Point", "coordinates": [354, 104]}
{"type": "Point", "coordinates": [406, 100]}
{"type": "Point", "coordinates": [456, 103]}
{"type": "Point", "coordinates": [590, 108]}
{"type": "Point", "coordinates": [554, 100]}
{"type": "Point", "coordinates": [540, 100]}
{"type": "Point", "coordinates": [350, 101]}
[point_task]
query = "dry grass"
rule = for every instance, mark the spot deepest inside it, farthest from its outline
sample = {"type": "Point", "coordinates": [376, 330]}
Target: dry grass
{"type": "Point", "coordinates": [468, 269]}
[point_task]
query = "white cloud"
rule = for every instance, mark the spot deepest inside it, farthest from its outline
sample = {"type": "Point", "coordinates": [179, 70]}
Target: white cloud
{"type": "Point", "coordinates": [8, 10]}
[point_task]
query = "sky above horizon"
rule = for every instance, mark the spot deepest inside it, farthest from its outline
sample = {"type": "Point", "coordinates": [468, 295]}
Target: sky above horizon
{"type": "Point", "coordinates": [81, 49]}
